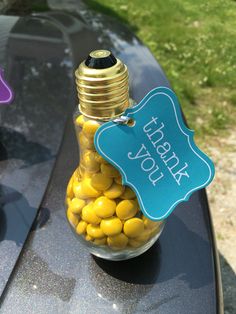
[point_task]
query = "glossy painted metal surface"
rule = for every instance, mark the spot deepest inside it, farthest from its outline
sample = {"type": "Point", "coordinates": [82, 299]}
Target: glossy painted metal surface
{"type": "Point", "coordinates": [38, 65]}
{"type": "Point", "coordinates": [55, 274]}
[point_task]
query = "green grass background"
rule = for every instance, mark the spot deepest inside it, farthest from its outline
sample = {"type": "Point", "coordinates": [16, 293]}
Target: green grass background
{"type": "Point", "coordinates": [195, 43]}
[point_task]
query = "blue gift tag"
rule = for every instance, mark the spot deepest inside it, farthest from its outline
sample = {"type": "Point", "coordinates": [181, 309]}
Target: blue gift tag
{"type": "Point", "coordinates": [156, 155]}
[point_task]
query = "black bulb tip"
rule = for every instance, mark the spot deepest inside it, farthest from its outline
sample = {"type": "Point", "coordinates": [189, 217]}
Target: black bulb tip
{"type": "Point", "coordinates": [100, 59]}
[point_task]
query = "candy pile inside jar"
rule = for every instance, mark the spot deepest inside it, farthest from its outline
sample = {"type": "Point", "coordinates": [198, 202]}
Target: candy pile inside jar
{"type": "Point", "coordinates": [99, 207]}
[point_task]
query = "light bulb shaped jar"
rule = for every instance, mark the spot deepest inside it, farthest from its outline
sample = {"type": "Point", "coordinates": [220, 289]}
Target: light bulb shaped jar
{"type": "Point", "coordinates": [103, 213]}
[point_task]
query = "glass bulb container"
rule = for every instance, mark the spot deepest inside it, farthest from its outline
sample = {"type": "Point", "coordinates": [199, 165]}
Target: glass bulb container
{"type": "Point", "coordinates": [103, 213]}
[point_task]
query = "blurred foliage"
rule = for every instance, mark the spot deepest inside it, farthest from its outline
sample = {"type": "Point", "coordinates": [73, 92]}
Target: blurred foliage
{"type": "Point", "coordinates": [195, 43]}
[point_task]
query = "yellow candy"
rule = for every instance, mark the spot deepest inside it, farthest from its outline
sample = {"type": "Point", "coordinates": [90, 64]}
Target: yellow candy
{"type": "Point", "coordinates": [118, 241]}
{"type": "Point", "coordinates": [154, 231]}
{"type": "Point", "coordinates": [84, 174]}
{"type": "Point", "coordinates": [118, 180]}
{"type": "Point", "coordinates": [134, 243]}
{"type": "Point", "coordinates": [100, 159]}
{"type": "Point", "coordinates": [101, 182]}
{"type": "Point", "coordinates": [128, 194]}
{"type": "Point", "coordinates": [126, 209]}
{"type": "Point", "coordinates": [80, 120]}
{"type": "Point", "coordinates": [100, 241]}
{"type": "Point", "coordinates": [69, 190]}
{"type": "Point", "coordinates": [87, 189]}
{"type": "Point", "coordinates": [145, 235]}
{"type": "Point", "coordinates": [150, 224]}
{"type": "Point", "coordinates": [80, 172]}
{"type": "Point", "coordinates": [88, 238]}
{"type": "Point", "coordinates": [76, 205]}
{"type": "Point", "coordinates": [104, 207]}
{"type": "Point", "coordinates": [133, 227]}
{"type": "Point", "coordinates": [84, 142]}
{"type": "Point", "coordinates": [81, 227]}
{"type": "Point", "coordinates": [114, 191]}
{"type": "Point", "coordinates": [111, 226]}
{"type": "Point", "coordinates": [90, 127]}
{"type": "Point", "coordinates": [95, 231]}
{"type": "Point", "coordinates": [77, 188]}
{"type": "Point", "coordinates": [88, 214]}
{"type": "Point", "coordinates": [75, 174]}
{"type": "Point", "coordinates": [89, 162]}
{"type": "Point", "coordinates": [73, 219]}
{"type": "Point", "coordinates": [68, 201]}
{"type": "Point", "coordinates": [109, 170]}
{"type": "Point", "coordinates": [91, 199]}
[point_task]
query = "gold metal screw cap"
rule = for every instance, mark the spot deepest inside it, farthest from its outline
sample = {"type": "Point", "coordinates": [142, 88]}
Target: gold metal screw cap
{"type": "Point", "coordinates": [102, 85]}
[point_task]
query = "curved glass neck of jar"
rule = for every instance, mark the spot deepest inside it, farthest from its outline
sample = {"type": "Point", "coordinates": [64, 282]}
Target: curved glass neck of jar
{"type": "Point", "coordinates": [86, 126]}
{"type": "Point", "coordinates": [100, 119]}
